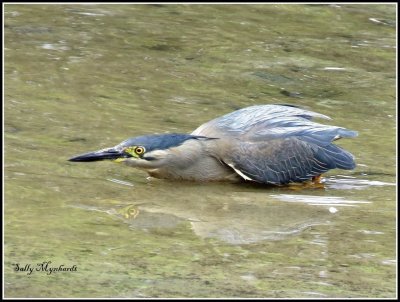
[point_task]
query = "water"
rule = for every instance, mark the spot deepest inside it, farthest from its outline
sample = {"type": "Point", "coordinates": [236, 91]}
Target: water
{"type": "Point", "coordinates": [84, 77]}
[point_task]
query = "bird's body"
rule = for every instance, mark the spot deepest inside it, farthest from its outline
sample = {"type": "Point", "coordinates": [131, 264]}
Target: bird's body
{"type": "Point", "coordinates": [193, 160]}
{"type": "Point", "coordinates": [271, 144]}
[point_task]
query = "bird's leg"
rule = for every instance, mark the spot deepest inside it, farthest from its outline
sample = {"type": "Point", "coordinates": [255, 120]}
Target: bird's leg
{"type": "Point", "coordinates": [315, 183]}
{"type": "Point", "coordinates": [317, 179]}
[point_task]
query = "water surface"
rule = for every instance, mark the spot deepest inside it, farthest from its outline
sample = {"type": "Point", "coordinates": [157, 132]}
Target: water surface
{"type": "Point", "coordinates": [84, 77]}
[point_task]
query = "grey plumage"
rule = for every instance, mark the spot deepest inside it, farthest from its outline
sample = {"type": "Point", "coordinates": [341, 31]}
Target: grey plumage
{"type": "Point", "coordinates": [279, 144]}
{"type": "Point", "coordinates": [273, 144]}
{"type": "Point", "coordinates": [159, 141]}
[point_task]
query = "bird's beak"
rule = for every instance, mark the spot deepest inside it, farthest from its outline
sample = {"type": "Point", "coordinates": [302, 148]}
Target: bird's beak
{"type": "Point", "coordinates": [108, 153]}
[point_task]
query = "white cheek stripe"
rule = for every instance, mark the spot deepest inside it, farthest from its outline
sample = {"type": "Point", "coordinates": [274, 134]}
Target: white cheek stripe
{"type": "Point", "coordinates": [159, 154]}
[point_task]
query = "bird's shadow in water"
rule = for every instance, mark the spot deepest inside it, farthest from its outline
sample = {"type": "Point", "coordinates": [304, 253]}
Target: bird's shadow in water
{"type": "Point", "coordinates": [236, 213]}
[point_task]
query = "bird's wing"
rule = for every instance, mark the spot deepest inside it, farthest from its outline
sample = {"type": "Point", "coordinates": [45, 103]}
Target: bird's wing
{"type": "Point", "coordinates": [277, 144]}
{"type": "Point", "coordinates": [281, 161]}
{"type": "Point", "coordinates": [251, 120]}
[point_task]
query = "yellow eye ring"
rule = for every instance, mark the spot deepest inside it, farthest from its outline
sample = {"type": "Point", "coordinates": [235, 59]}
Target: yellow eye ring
{"type": "Point", "coordinates": [139, 150]}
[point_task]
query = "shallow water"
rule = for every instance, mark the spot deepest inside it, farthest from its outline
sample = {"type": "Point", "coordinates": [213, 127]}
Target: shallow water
{"type": "Point", "coordinates": [84, 77]}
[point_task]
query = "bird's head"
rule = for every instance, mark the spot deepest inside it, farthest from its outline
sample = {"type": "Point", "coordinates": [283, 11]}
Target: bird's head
{"type": "Point", "coordinates": [147, 151]}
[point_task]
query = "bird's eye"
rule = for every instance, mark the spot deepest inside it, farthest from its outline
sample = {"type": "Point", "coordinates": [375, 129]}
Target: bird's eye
{"type": "Point", "coordinates": [139, 150]}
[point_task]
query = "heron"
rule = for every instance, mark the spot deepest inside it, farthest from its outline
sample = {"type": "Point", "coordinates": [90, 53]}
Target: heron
{"type": "Point", "coordinates": [273, 144]}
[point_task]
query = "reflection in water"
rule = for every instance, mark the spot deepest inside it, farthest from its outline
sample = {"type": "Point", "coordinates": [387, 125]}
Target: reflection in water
{"type": "Point", "coordinates": [238, 218]}
{"type": "Point", "coordinates": [130, 212]}
{"type": "Point", "coordinates": [318, 200]}
{"type": "Point", "coordinates": [126, 183]}
{"type": "Point", "coordinates": [234, 223]}
{"type": "Point", "coordinates": [354, 183]}
{"type": "Point", "coordinates": [242, 234]}
{"type": "Point", "coordinates": [77, 74]}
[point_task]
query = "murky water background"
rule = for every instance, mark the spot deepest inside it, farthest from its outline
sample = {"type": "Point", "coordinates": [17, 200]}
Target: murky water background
{"type": "Point", "coordinates": [83, 77]}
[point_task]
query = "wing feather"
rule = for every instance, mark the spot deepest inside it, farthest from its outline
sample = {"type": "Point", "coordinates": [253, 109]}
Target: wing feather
{"type": "Point", "coordinates": [282, 161]}
{"type": "Point", "coordinates": [278, 144]}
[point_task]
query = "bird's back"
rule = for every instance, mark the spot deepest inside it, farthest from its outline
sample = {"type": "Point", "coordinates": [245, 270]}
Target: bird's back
{"type": "Point", "coordinates": [278, 143]}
